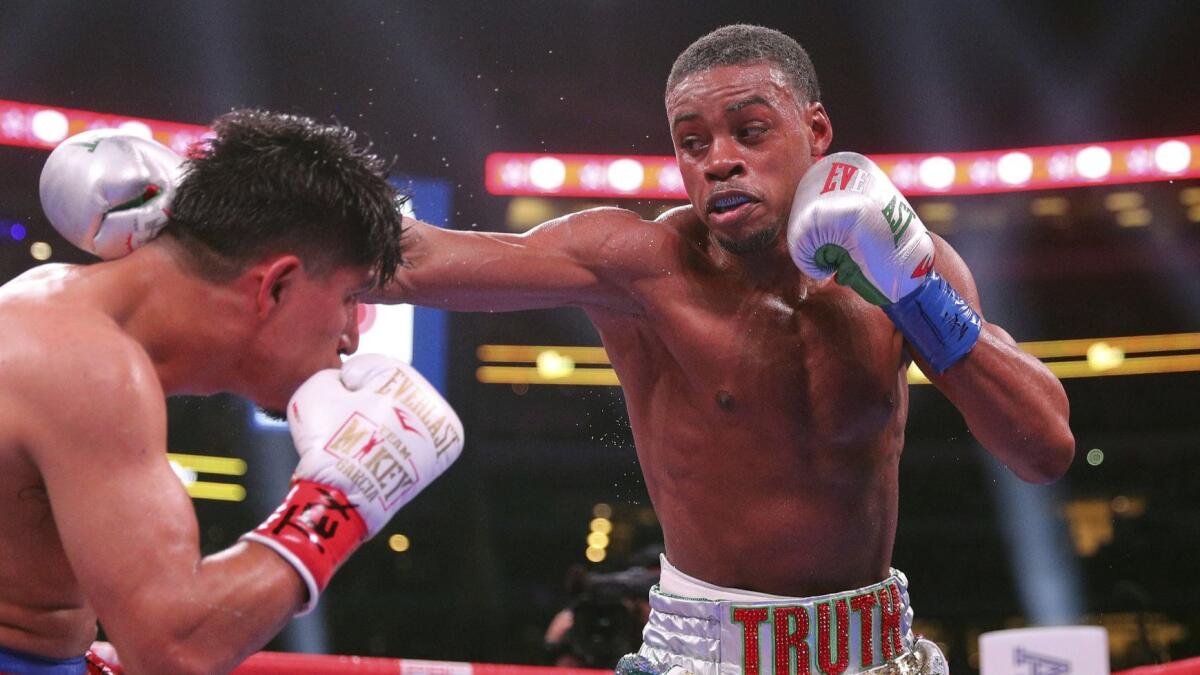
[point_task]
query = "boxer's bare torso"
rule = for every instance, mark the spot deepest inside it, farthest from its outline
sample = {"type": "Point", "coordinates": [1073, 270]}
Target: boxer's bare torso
{"type": "Point", "coordinates": [42, 608]}
{"type": "Point", "coordinates": [95, 523]}
{"type": "Point", "coordinates": [767, 409]}
{"type": "Point", "coordinates": [768, 412]}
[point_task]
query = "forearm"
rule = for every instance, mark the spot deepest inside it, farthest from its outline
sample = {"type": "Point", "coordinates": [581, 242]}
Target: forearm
{"type": "Point", "coordinates": [501, 272]}
{"type": "Point", "coordinates": [210, 618]}
{"type": "Point", "coordinates": [439, 268]}
{"type": "Point", "coordinates": [1013, 405]}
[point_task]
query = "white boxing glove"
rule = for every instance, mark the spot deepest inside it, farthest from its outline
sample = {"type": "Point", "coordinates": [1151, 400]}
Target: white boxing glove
{"type": "Point", "coordinates": [108, 191]}
{"type": "Point", "coordinates": [380, 414]}
{"type": "Point", "coordinates": [370, 436]}
{"type": "Point", "coordinates": [848, 218]}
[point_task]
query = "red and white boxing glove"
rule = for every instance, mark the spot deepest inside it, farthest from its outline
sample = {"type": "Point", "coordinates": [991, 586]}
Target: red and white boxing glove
{"type": "Point", "coordinates": [847, 218]}
{"type": "Point", "coordinates": [108, 191]}
{"type": "Point", "coordinates": [370, 436]}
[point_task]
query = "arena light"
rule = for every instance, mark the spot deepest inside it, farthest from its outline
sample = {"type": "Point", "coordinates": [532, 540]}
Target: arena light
{"type": "Point", "coordinates": [49, 126]}
{"type": "Point", "coordinates": [188, 467]}
{"type": "Point", "coordinates": [12, 230]}
{"type": "Point", "coordinates": [554, 366]}
{"type": "Point", "coordinates": [1086, 357]}
{"type": "Point", "coordinates": [1093, 162]}
{"type": "Point", "coordinates": [547, 173]}
{"type": "Point", "coordinates": [626, 175]}
{"type": "Point", "coordinates": [1014, 168]}
{"type": "Point", "coordinates": [955, 173]}
{"type": "Point", "coordinates": [44, 126]}
{"type": "Point", "coordinates": [399, 543]}
{"type": "Point", "coordinates": [223, 466]}
{"type": "Point", "coordinates": [937, 173]}
{"type": "Point", "coordinates": [597, 538]}
{"type": "Point", "coordinates": [135, 128]}
{"type": "Point", "coordinates": [223, 492]}
{"type": "Point", "coordinates": [1173, 156]}
{"type": "Point", "coordinates": [586, 176]}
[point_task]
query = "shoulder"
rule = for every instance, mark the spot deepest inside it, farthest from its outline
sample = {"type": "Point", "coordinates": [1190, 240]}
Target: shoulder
{"type": "Point", "coordinates": [601, 223]}
{"type": "Point", "coordinates": [77, 375]}
{"type": "Point", "coordinates": [610, 236]}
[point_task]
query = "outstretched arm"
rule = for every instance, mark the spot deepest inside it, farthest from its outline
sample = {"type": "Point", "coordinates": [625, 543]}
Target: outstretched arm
{"type": "Point", "coordinates": [579, 259]}
{"type": "Point", "coordinates": [1011, 401]}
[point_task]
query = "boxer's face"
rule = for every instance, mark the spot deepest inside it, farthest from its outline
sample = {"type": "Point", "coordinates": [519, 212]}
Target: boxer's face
{"type": "Point", "coordinates": [311, 321]}
{"type": "Point", "coordinates": [743, 141]}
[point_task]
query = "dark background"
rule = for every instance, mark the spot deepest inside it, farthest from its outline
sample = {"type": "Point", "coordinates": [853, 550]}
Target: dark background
{"type": "Point", "coordinates": [441, 84]}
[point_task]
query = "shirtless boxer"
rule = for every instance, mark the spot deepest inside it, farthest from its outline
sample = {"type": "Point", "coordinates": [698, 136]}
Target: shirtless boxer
{"type": "Point", "coordinates": [767, 403]}
{"type": "Point", "coordinates": [278, 226]}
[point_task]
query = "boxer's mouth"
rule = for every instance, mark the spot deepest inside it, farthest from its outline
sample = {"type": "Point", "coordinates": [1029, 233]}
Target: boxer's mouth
{"type": "Point", "coordinates": [725, 201]}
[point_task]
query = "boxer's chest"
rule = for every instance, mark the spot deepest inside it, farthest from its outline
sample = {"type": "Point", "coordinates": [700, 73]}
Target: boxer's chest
{"type": "Point", "coordinates": [819, 353]}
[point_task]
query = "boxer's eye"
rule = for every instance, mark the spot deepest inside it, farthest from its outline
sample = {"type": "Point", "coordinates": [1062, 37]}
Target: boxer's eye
{"type": "Point", "coordinates": [751, 133]}
{"type": "Point", "coordinates": [691, 143]}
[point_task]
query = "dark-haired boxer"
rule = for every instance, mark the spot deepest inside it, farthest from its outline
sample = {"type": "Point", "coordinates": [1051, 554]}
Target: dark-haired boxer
{"type": "Point", "coordinates": [767, 403]}
{"type": "Point", "coordinates": [277, 227]}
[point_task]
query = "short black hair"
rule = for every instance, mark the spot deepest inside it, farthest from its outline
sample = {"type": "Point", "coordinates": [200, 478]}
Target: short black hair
{"type": "Point", "coordinates": [742, 44]}
{"type": "Point", "coordinates": [268, 183]}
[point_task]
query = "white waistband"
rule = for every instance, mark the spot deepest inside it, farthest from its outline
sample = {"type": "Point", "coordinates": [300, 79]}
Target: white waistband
{"type": "Point", "coordinates": [712, 630]}
{"type": "Point", "coordinates": [673, 582]}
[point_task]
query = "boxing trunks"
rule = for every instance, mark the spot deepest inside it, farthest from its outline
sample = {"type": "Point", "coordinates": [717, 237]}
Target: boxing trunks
{"type": "Point", "coordinates": [19, 663]}
{"type": "Point", "coordinates": [710, 630]}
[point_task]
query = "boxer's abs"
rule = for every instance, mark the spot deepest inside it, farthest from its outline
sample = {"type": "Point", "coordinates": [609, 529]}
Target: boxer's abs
{"type": "Point", "coordinates": [770, 452]}
{"type": "Point", "coordinates": [771, 523]}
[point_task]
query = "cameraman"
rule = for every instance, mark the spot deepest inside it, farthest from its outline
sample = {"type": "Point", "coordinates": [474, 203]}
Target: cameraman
{"type": "Point", "coordinates": [605, 618]}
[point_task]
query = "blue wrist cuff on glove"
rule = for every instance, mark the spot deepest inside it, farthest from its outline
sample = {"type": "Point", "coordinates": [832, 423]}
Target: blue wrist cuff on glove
{"type": "Point", "coordinates": [937, 322]}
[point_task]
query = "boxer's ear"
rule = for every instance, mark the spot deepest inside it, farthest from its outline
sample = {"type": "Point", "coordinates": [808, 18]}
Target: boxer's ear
{"type": "Point", "coordinates": [274, 278]}
{"type": "Point", "coordinates": [819, 127]}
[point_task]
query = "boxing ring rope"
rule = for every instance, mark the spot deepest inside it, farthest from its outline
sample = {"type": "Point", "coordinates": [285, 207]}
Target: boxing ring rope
{"type": "Point", "coordinates": [275, 663]}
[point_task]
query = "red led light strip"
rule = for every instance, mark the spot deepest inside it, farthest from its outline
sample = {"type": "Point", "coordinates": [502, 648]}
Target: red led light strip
{"type": "Point", "coordinates": [918, 175]}
{"type": "Point", "coordinates": [40, 126]}
{"type": "Point", "coordinates": [652, 177]}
